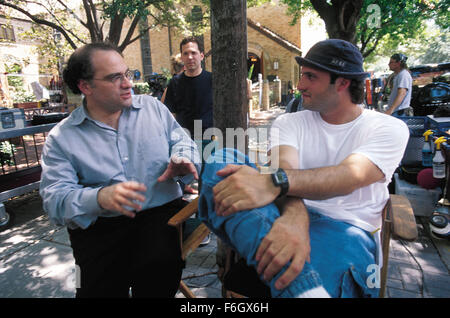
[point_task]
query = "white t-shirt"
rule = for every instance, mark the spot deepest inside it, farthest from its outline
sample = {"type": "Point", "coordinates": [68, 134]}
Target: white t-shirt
{"type": "Point", "coordinates": [379, 137]}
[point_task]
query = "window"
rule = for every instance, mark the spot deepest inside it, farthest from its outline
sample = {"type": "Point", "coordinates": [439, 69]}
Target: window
{"type": "Point", "coordinates": [7, 33]}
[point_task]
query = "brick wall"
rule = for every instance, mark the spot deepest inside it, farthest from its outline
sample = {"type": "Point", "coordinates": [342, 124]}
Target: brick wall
{"type": "Point", "coordinates": [272, 16]}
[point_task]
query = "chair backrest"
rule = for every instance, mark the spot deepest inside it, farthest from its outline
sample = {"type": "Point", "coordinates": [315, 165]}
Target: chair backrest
{"type": "Point", "coordinates": [385, 241]}
{"type": "Point", "coordinates": [398, 221]}
{"type": "Point", "coordinates": [192, 241]}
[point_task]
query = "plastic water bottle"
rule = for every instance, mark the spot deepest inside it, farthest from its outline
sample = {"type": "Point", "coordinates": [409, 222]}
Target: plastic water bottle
{"type": "Point", "coordinates": [438, 160]}
{"type": "Point", "coordinates": [427, 153]}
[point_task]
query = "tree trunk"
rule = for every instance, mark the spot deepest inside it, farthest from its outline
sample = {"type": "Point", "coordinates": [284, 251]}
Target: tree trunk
{"type": "Point", "coordinates": [340, 17]}
{"type": "Point", "coordinates": [229, 66]}
{"type": "Point", "coordinates": [229, 72]}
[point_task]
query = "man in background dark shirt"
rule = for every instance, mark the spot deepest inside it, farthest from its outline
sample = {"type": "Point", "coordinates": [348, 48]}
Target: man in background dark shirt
{"type": "Point", "coordinates": [189, 97]}
{"type": "Point", "coordinates": [189, 94]}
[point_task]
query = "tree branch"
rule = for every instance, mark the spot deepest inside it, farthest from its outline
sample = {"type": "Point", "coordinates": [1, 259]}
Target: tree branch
{"type": "Point", "coordinates": [40, 21]}
{"type": "Point", "coordinates": [73, 14]}
{"type": "Point", "coordinates": [367, 53]}
{"type": "Point", "coordinates": [130, 32]}
{"type": "Point", "coordinates": [90, 21]}
{"type": "Point", "coordinates": [57, 20]}
{"type": "Point", "coordinates": [94, 12]}
{"type": "Point", "coordinates": [115, 29]}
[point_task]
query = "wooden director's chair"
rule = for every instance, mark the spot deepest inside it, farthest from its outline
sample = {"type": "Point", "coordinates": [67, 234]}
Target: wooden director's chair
{"type": "Point", "coordinates": [398, 222]}
{"type": "Point", "coordinates": [189, 244]}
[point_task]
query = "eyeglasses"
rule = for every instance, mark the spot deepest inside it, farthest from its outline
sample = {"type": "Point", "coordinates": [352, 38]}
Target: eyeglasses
{"type": "Point", "coordinates": [117, 78]}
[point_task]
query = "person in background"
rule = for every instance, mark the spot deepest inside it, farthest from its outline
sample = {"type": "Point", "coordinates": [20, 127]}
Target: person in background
{"type": "Point", "coordinates": [189, 96]}
{"type": "Point", "coordinates": [295, 104]}
{"type": "Point", "coordinates": [400, 96]}
{"type": "Point", "coordinates": [177, 67]}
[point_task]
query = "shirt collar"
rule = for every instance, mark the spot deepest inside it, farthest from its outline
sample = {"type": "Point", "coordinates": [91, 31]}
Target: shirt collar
{"type": "Point", "coordinates": [79, 115]}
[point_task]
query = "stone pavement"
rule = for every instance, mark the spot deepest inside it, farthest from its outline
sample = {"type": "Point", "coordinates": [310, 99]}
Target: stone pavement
{"type": "Point", "coordinates": [420, 268]}
{"type": "Point", "coordinates": [36, 262]}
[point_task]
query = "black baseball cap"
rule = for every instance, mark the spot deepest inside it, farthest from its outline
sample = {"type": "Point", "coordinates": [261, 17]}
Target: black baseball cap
{"type": "Point", "coordinates": [335, 56]}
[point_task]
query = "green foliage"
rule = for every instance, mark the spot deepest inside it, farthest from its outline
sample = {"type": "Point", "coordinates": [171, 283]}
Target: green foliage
{"type": "Point", "coordinates": [167, 74]}
{"type": "Point", "coordinates": [141, 88]}
{"type": "Point", "coordinates": [53, 49]}
{"type": "Point", "coordinates": [6, 153]}
{"type": "Point", "coordinates": [431, 45]}
{"type": "Point", "coordinates": [250, 71]}
{"type": "Point", "coordinates": [398, 22]}
{"type": "Point", "coordinates": [16, 85]}
{"type": "Point", "coordinates": [438, 50]}
{"type": "Point", "coordinates": [102, 22]}
{"type": "Point", "coordinates": [125, 9]}
{"type": "Point", "coordinates": [442, 14]}
{"type": "Point", "coordinates": [414, 28]}
{"type": "Point", "coordinates": [297, 8]}
{"type": "Point", "coordinates": [395, 21]}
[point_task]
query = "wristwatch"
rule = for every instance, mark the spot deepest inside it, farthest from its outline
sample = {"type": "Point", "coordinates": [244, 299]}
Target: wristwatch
{"type": "Point", "coordinates": [280, 179]}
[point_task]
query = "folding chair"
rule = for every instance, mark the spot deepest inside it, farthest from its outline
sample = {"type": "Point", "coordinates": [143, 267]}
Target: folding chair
{"type": "Point", "coordinates": [189, 244]}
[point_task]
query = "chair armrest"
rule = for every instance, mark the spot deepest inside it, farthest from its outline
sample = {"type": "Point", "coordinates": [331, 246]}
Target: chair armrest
{"type": "Point", "coordinates": [184, 214]}
{"type": "Point", "coordinates": [402, 217]}
{"type": "Point", "coordinates": [194, 240]}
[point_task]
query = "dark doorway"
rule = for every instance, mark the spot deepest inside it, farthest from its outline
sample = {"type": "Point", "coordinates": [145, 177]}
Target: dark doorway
{"type": "Point", "coordinates": [253, 59]}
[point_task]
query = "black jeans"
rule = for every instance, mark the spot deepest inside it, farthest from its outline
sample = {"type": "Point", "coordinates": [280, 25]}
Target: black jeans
{"type": "Point", "coordinates": [117, 253]}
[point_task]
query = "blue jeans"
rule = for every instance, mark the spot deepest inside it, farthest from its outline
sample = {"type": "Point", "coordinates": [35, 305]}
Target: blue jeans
{"type": "Point", "coordinates": [340, 252]}
{"type": "Point", "coordinates": [399, 113]}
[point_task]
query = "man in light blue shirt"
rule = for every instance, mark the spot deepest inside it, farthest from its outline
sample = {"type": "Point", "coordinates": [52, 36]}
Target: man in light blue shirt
{"type": "Point", "coordinates": [109, 174]}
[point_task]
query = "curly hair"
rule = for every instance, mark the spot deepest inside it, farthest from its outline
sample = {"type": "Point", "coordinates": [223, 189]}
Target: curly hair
{"type": "Point", "coordinates": [176, 63]}
{"type": "Point", "coordinates": [79, 67]}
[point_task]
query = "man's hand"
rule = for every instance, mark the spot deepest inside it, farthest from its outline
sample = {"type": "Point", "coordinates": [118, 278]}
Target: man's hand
{"type": "Point", "coordinates": [116, 196]}
{"type": "Point", "coordinates": [178, 167]}
{"type": "Point", "coordinates": [401, 93]}
{"type": "Point", "coordinates": [288, 240]}
{"type": "Point", "coordinates": [389, 111]}
{"type": "Point", "coordinates": [244, 188]}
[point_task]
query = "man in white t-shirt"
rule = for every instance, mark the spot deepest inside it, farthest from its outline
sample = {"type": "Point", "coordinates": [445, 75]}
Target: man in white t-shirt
{"type": "Point", "coordinates": [400, 96]}
{"type": "Point", "coordinates": [335, 161]}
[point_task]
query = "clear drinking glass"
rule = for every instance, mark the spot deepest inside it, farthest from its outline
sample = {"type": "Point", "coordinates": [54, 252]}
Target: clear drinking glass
{"type": "Point", "coordinates": [138, 180]}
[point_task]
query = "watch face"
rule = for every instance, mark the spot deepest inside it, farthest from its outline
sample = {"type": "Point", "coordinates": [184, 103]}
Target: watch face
{"type": "Point", "coordinates": [280, 177]}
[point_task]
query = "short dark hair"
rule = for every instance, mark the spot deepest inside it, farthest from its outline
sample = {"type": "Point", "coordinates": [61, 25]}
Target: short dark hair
{"type": "Point", "coordinates": [356, 88]}
{"type": "Point", "coordinates": [79, 67]}
{"type": "Point", "coordinates": [192, 39]}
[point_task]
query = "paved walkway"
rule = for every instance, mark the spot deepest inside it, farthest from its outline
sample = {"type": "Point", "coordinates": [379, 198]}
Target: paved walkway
{"type": "Point", "coordinates": [36, 261]}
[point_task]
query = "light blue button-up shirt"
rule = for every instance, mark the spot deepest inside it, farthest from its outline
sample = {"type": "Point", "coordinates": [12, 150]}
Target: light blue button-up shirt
{"type": "Point", "coordinates": [82, 155]}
